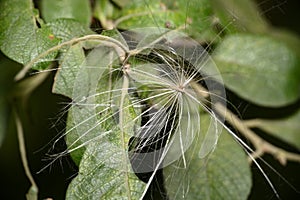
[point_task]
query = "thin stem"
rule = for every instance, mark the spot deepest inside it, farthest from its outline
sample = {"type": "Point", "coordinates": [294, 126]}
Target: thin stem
{"type": "Point", "coordinates": [252, 122]}
{"type": "Point", "coordinates": [126, 17]}
{"type": "Point", "coordinates": [124, 145]}
{"type": "Point", "coordinates": [33, 191]}
{"type": "Point", "coordinates": [261, 146]}
{"type": "Point", "coordinates": [27, 67]}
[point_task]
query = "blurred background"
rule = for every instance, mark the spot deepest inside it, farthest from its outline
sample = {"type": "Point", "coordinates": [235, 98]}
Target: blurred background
{"type": "Point", "coordinates": [41, 120]}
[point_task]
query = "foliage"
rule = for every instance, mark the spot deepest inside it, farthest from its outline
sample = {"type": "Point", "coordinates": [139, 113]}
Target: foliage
{"type": "Point", "coordinates": [129, 82]}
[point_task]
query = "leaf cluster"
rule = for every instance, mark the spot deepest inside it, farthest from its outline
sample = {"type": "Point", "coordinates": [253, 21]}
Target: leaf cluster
{"type": "Point", "coordinates": [257, 62]}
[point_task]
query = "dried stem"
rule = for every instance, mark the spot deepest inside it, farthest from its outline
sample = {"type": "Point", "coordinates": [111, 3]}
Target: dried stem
{"type": "Point", "coordinates": [33, 191]}
{"type": "Point", "coordinates": [261, 145]}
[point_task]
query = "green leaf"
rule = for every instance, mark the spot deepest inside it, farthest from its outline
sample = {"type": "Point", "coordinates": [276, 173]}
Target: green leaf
{"type": "Point", "coordinates": [195, 17]}
{"type": "Point", "coordinates": [260, 69]}
{"type": "Point", "coordinates": [69, 68]}
{"type": "Point", "coordinates": [104, 11]}
{"type": "Point", "coordinates": [78, 10]}
{"type": "Point", "coordinates": [21, 39]}
{"type": "Point", "coordinates": [289, 38]}
{"type": "Point", "coordinates": [102, 117]}
{"type": "Point", "coordinates": [81, 78]}
{"type": "Point", "coordinates": [224, 174]}
{"type": "Point", "coordinates": [286, 129]}
{"type": "Point", "coordinates": [75, 80]}
{"type": "Point", "coordinates": [241, 16]}
{"type": "Point", "coordinates": [100, 176]}
{"type": "Point", "coordinates": [105, 170]}
{"type": "Point", "coordinates": [67, 29]}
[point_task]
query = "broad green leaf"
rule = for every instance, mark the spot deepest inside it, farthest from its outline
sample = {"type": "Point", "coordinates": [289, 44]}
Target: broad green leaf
{"type": "Point", "coordinates": [67, 29]}
{"type": "Point", "coordinates": [65, 79]}
{"type": "Point", "coordinates": [259, 68]}
{"type": "Point", "coordinates": [21, 39]}
{"type": "Point", "coordinates": [88, 82]}
{"type": "Point", "coordinates": [78, 79]}
{"type": "Point", "coordinates": [101, 177]}
{"type": "Point", "coordinates": [105, 170]}
{"type": "Point", "coordinates": [287, 129]}
{"type": "Point", "coordinates": [224, 174]}
{"type": "Point", "coordinates": [194, 17]}
{"type": "Point", "coordinates": [78, 10]}
{"type": "Point", "coordinates": [241, 16]}
{"type": "Point", "coordinates": [102, 115]}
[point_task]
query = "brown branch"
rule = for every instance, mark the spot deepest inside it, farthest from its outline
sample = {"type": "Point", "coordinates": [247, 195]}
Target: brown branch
{"type": "Point", "coordinates": [261, 146]}
{"type": "Point", "coordinates": [33, 191]}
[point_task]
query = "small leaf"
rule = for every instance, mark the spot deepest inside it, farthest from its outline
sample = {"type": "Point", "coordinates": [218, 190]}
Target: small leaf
{"type": "Point", "coordinates": [21, 39]}
{"type": "Point", "coordinates": [260, 69]}
{"type": "Point", "coordinates": [78, 10]}
{"type": "Point", "coordinates": [286, 129]}
{"type": "Point", "coordinates": [224, 174]}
